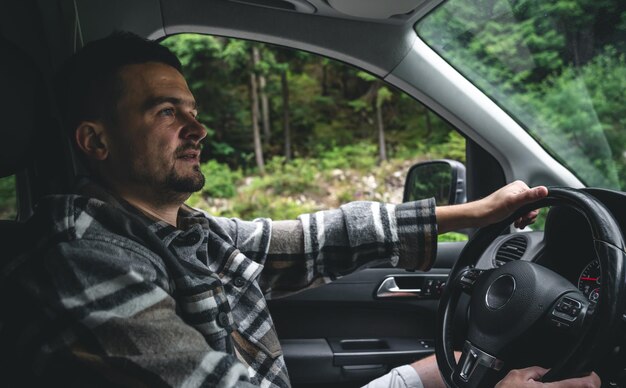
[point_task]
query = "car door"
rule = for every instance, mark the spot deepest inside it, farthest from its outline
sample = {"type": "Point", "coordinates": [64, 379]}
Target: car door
{"type": "Point", "coordinates": [358, 327]}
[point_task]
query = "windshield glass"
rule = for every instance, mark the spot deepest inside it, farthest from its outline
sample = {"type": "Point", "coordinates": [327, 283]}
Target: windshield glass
{"type": "Point", "coordinates": [557, 67]}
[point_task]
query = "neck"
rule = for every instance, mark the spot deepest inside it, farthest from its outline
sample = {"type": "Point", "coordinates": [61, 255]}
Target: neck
{"type": "Point", "coordinates": [164, 212]}
{"type": "Point", "coordinates": [154, 203]}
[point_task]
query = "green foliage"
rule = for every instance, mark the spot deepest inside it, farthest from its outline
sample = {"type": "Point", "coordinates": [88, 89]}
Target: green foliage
{"type": "Point", "coordinates": [331, 116]}
{"type": "Point", "coordinates": [8, 204]}
{"type": "Point", "coordinates": [294, 178]}
{"type": "Point", "coordinates": [260, 205]}
{"type": "Point", "coordinates": [452, 237]}
{"type": "Point", "coordinates": [540, 221]}
{"type": "Point", "coordinates": [220, 181]}
{"type": "Point", "coordinates": [360, 156]}
{"type": "Point", "coordinates": [384, 95]}
{"type": "Point", "coordinates": [557, 66]}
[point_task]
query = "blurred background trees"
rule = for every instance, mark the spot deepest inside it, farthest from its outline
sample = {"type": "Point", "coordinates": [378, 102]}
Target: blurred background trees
{"type": "Point", "coordinates": [557, 66]}
{"type": "Point", "coordinates": [291, 132]}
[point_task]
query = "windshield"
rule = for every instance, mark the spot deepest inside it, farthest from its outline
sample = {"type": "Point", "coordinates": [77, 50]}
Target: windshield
{"type": "Point", "coordinates": [557, 67]}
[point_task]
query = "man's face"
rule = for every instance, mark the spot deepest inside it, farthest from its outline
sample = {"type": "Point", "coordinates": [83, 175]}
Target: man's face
{"type": "Point", "coordinates": [155, 141]}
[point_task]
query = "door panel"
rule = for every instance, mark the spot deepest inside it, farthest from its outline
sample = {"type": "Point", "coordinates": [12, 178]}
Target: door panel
{"type": "Point", "coordinates": [343, 333]}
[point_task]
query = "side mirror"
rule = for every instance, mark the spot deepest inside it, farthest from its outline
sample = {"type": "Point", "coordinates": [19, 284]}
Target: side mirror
{"type": "Point", "coordinates": [443, 179]}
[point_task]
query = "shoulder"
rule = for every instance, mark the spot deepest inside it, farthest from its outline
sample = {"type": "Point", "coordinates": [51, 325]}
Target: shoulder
{"type": "Point", "coordinates": [89, 227]}
{"type": "Point", "coordinates": [68, 216]}
{"type": "Point", "coordinates": [89, 237]}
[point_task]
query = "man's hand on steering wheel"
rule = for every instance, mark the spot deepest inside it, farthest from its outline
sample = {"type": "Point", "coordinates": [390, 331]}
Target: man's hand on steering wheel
{"type": "Point", "coordinates": [530, 377]}
{"type": "Point", "coordinates": [503, 202]}
{"type": "Point", "coordinates": [491, 209]}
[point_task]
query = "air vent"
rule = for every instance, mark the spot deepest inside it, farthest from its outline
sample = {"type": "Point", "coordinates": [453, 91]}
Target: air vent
{"type": "Point", "coordinates": [512, 249]}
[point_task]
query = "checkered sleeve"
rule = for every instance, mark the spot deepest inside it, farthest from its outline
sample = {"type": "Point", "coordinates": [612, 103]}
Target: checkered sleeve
{"type": "Point", "coordinates": [322, 246]}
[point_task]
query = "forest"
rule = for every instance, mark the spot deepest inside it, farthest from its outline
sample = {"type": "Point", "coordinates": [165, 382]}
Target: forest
{"type": "Point", "coordinates": [292, 132]}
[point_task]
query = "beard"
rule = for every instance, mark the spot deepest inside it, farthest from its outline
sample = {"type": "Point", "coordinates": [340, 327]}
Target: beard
{"type": "Point", "coordinates": [185, 184]}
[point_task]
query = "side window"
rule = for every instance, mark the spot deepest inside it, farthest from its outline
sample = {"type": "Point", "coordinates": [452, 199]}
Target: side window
{"type": "Point", "coordinates": [290, 132]}
{"type": "Point", "coordinates": [8, 202]}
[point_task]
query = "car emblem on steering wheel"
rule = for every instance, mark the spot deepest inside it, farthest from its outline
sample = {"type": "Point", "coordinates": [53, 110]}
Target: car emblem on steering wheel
{"type": "Point", "coordinates": [500, 292]}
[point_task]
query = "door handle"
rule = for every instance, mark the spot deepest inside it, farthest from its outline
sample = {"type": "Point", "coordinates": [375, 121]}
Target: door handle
{"type": "Point", "coordinates": [415, 286]}
{"type": "Point", "coordinates": [389, 289]}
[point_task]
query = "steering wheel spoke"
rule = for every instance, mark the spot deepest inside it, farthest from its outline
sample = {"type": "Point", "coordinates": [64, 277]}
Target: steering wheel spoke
{"type": "Point", "coordinates": [475, 366]}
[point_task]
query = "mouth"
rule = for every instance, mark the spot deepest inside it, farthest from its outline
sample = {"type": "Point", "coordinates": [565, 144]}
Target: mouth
{"type": "Point", "coordinates": [189, 156]}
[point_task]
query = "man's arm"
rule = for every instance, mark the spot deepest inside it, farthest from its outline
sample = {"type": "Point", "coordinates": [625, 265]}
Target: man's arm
{"type": "Point", "coordinates": [322, 246]}
{"type": "Point", "coordinates": [491, 209]}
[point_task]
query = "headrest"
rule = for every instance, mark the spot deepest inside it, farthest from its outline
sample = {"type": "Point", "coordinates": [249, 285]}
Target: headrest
{"type": "Point", "coordinates": [23, 109]}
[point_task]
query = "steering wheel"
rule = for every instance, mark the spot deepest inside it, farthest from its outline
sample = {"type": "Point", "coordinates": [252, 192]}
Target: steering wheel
{"type": "Point", "coordinates": [509, 305]}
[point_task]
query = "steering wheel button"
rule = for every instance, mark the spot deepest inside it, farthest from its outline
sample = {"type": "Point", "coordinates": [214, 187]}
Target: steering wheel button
{"type": "Point", "coordinates": [564, 317]}
{"type": "Point", "coordinates": [560, 324]}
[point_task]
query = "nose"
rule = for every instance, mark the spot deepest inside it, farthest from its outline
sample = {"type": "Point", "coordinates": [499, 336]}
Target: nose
{"type": "Point", "coordinates": [193, 129]}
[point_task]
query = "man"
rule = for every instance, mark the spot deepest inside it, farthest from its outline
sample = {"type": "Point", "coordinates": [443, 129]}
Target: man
{"type": "Point", "coordinates": [129, 286]}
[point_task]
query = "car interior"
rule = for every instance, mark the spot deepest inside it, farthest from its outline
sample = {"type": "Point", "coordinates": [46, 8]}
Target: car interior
{"type": "Point", "coordinates": [357, 328]}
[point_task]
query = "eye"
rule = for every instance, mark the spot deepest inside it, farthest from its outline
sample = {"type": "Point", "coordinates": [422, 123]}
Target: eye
{"type": "Point", "coordinates": [168, 112]}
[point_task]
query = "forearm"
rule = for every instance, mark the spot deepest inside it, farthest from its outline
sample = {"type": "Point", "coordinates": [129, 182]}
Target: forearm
{"type": "Point", "coordinates": [491, 209]}
{"type": "Point", "coordinates": [332, 243]}
{"type": "Point", "coordinates": [455, 217]}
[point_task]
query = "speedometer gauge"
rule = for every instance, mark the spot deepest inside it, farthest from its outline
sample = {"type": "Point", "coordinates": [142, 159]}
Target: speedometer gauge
{"type": "Point", "coordinates": [589, 281]}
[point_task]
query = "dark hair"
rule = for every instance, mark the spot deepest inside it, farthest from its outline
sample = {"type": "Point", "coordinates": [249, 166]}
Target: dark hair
{"type": "Point", "coordinates": [89, 86]}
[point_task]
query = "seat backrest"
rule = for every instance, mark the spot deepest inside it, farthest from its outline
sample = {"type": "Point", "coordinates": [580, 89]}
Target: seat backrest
{"type": "Point", "coordinates": [20, 80]}
{"type": "Point", "coordinates": [23, 100]}
{"type": "Point", "coordinates": [31, 142]}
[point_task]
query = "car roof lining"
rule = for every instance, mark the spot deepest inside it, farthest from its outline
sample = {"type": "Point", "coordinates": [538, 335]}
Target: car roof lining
{"type": "Point", "coordinates": [371, 44]}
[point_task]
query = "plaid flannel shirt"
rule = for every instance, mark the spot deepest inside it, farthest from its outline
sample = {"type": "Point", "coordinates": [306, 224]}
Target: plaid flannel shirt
{"type": "Point", "coordinates": [109, 296]}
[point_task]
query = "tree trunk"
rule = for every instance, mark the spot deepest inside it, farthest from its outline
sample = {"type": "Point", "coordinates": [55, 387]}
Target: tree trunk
{"type": "Point", "coordinates": [324, 78]}
{"type": "Point", "coordinates": [286, 124]}
{"type": "Point", "coordinates": [429, 126]}
{"type": "Point", "coordinates": [265, 111]}
{"type": "Point", "coordinates": [254, 97]}
{"type": "Point", "coordinates": [381, 133]}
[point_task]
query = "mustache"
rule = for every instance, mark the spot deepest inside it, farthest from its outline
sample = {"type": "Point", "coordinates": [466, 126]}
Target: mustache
{"type": "Point", "coordinates": [187, 147]}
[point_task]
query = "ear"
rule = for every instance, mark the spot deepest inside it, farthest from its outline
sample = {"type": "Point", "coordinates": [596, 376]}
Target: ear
{"type": "Point", "coordinates": [91, 139]}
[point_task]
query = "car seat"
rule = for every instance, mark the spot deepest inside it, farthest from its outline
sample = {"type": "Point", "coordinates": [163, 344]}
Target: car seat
{"type": "Point", "coordinates": [32, 147]}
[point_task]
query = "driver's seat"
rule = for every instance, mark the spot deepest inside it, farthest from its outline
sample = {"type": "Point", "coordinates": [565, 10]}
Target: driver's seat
{"type": "Point", "coordinates": [31, 145]}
